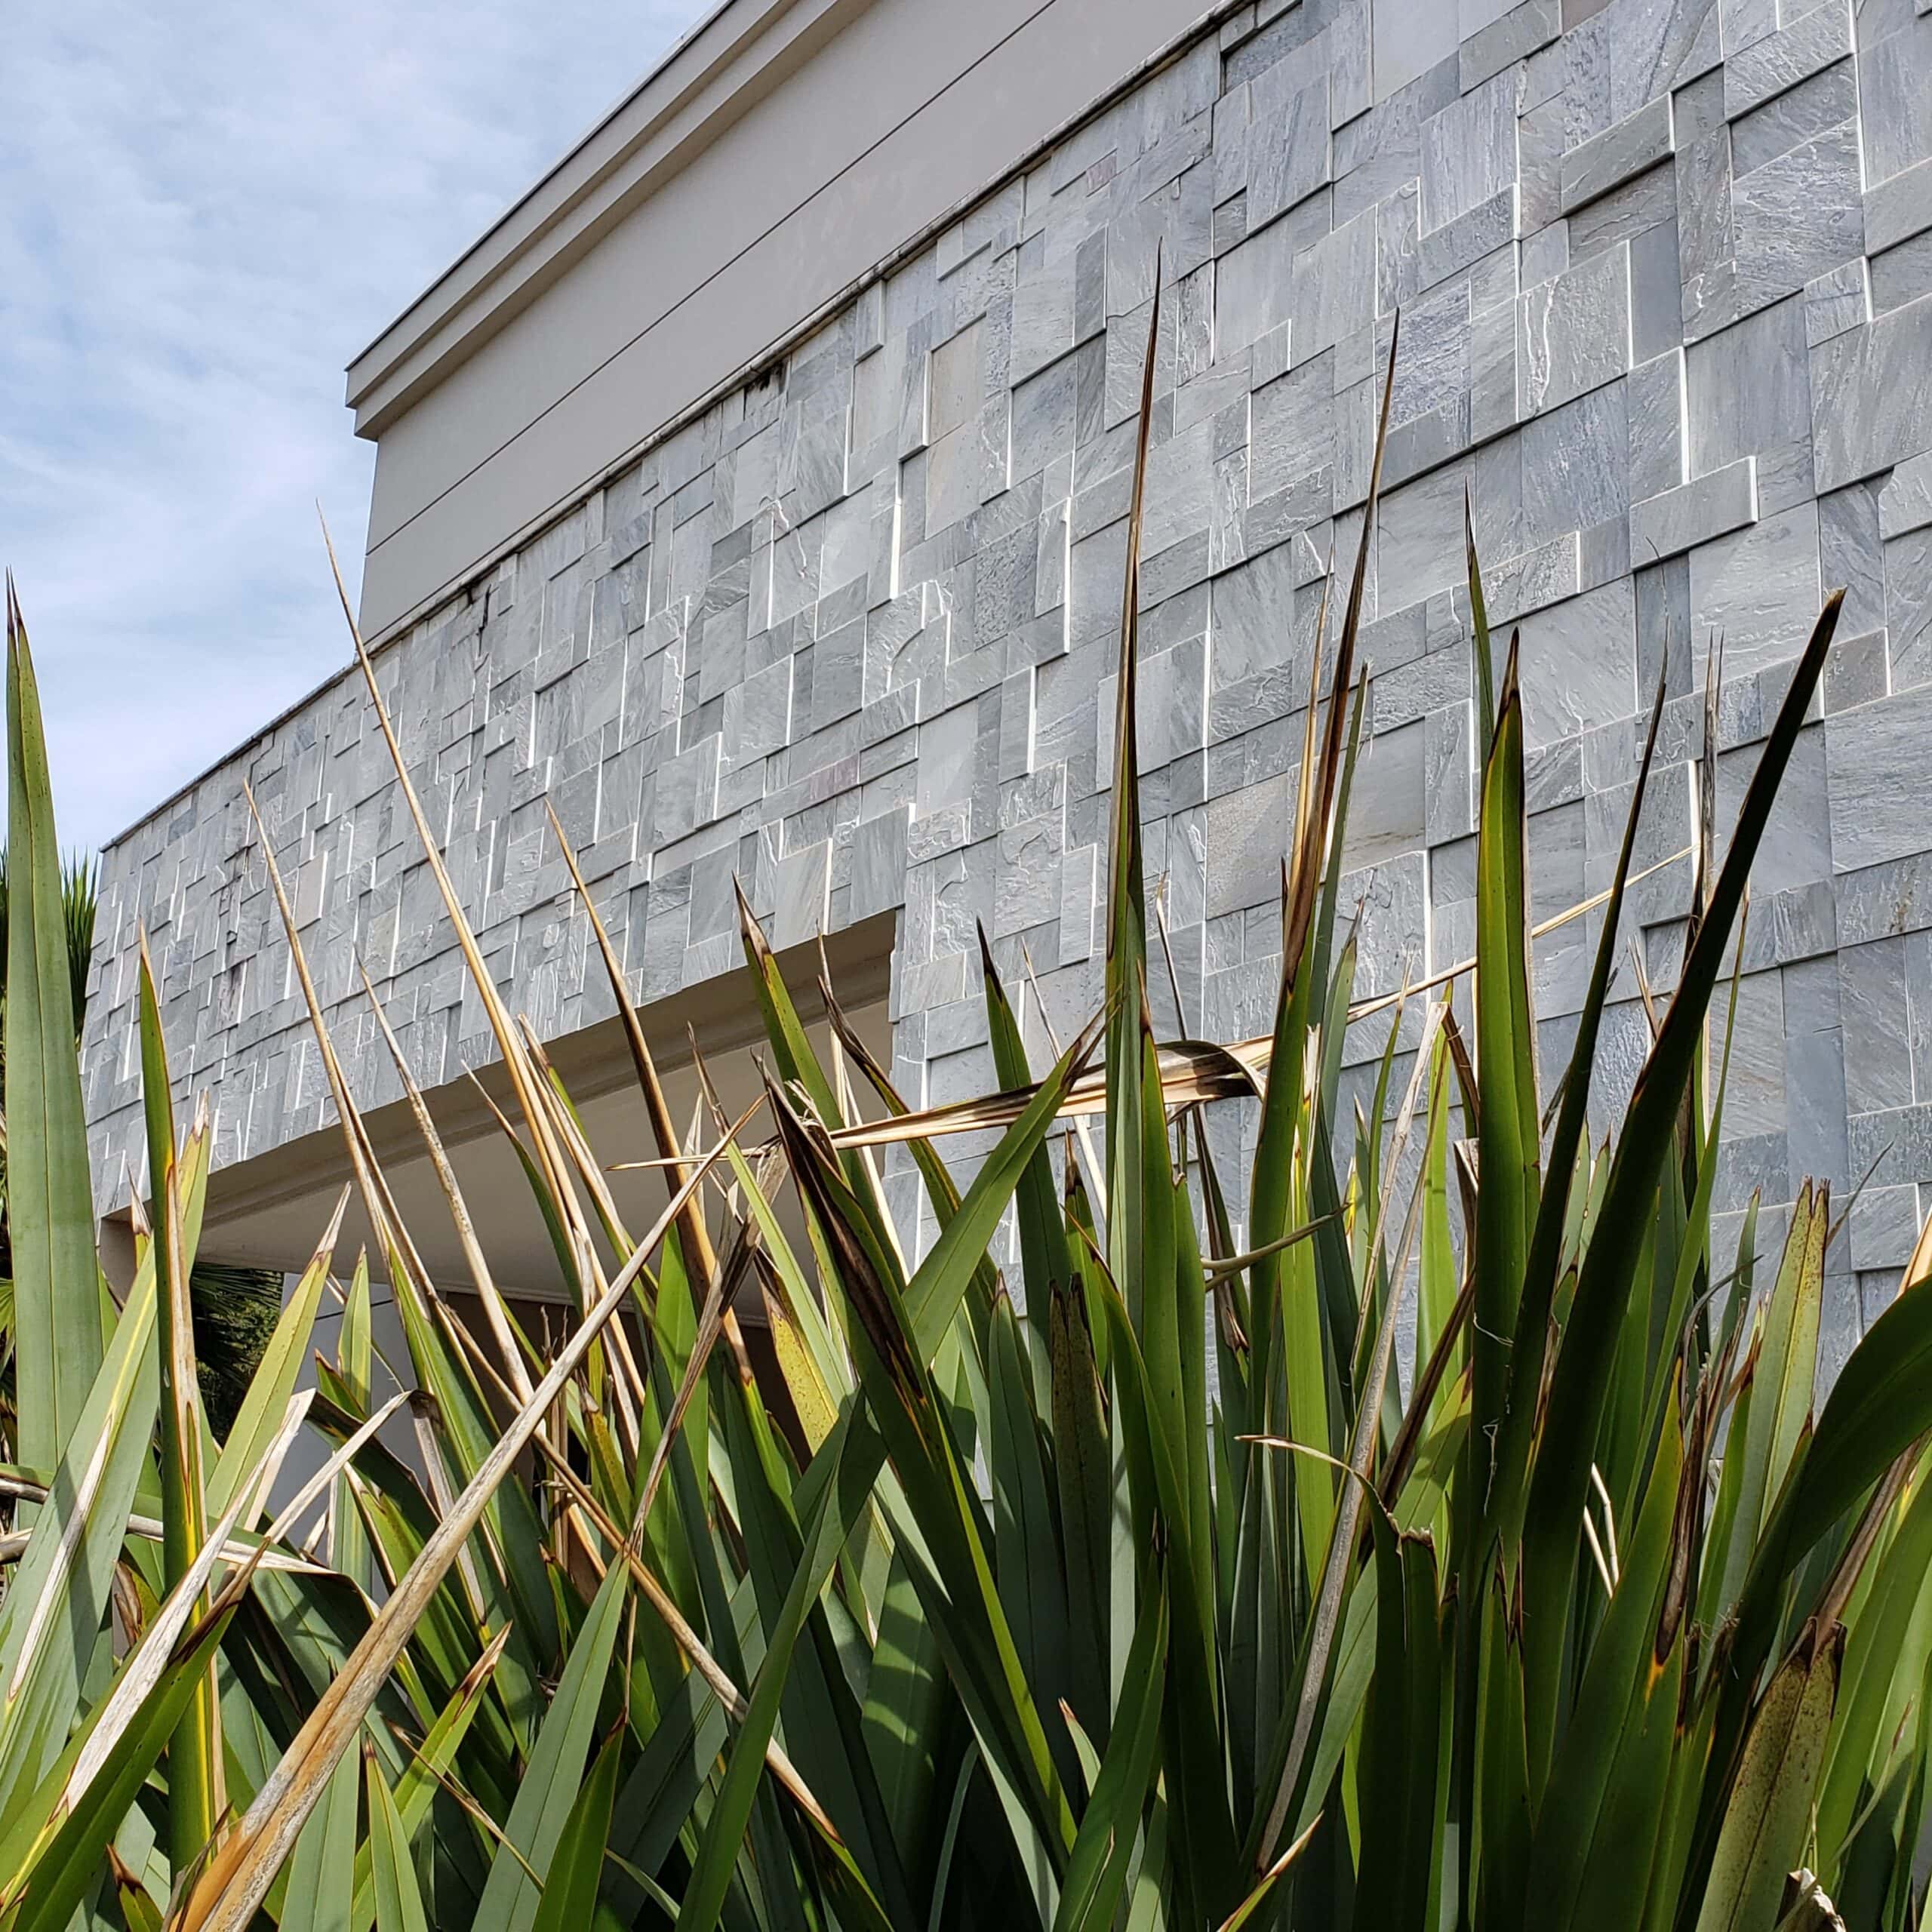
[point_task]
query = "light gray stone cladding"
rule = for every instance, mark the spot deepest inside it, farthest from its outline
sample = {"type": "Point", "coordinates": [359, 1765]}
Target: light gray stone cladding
{"type": "Point", "coordinates": [1665, 274]}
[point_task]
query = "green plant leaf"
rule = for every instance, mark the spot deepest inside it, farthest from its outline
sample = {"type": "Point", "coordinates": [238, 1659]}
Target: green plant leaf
{"type": "Point", "coordinates": [398, 1897]}
{"type": "Point", "coordinates": [58, 1602]}
{"type": "Point", "coordinates": [56, 1326]}
{"type": "Point", "coordinates": [1103, 1849]}
{"type": "Point", "coordinates": [576, 1864]}
{"type": "Point", "coordinates": [1769, 1815]}
{"type": "Point", "coordinates": [1581, 1380]}
{"type": "Point", "coordinates": [321, 1875]}
{"type": "Point", "coordinates": [555, 1773]}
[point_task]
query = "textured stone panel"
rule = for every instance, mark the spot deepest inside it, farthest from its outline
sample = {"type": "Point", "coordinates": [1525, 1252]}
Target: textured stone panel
{"type": "Point", "coordinates": [1693, 513]}
{"type": "Point", "coordinates": [1665, 274]}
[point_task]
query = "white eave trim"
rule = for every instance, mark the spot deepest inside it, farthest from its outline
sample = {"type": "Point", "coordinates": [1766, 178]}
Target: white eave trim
{"type": "Point", "coordinates": [715, 74]}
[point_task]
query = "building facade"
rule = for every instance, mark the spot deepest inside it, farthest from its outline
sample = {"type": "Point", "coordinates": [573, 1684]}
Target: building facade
{"type": "Point", "coordinates": [755, 495]}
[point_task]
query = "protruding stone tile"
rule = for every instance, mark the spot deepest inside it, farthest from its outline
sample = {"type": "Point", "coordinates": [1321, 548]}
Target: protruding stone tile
{"type": "Point", "coordinates": [1897, 209]}
{"type": "Point", "coordinates": [685, 792]}
{"type": "Point", "coordinates": [1895, 97]}
{"type": "Point", "coordinates": [1838, 300]}
{"type": "Point", "coordinates": [1695, 512]}
{"type": "Point", "coordinates": [1758, 587]}
{"type": "Point", "coordinates": [1574, 332]}
{"type": "Point", "coordinates": [1411, 36]}
{"type": "Point", "coordinates": [1468, 152]}
{"type": "Point", "coordinates": [1908, 608]}
{"type": "Point", "coordinates": [801, 882]}
{"type": "Point", "coordinates": [1579, 662]}
{"type": "Point", "coordinates": [1871, 406]}
{"type": "Point", "coordinates": [1877, 812]}
{"type": "Point", "coordinates": [1779, 61]}
{"type": "Point", "coordinates": [1519, 584]}
{"type": "Point", "coordinates": [1620, 153]}
{"type": "Point", "coordinates": [1905, 503]}
{"type": "Point", "coordinates": [1505, 37]}
{"type": "Point", "coordinates": [1877, 1044]}
{"type": "Point", "coordinates": [1290, 159]}
{"type": "Point", "coordinates": [1797, 217]}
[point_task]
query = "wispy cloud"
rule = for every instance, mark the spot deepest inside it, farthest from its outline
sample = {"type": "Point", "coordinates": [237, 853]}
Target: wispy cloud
{"type": "Point", "coordinates": [205, 211]}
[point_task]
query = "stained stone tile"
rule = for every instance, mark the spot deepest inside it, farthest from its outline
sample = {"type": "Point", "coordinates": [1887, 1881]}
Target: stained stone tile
{"type": "Point", "coordinates": [1574, 332]}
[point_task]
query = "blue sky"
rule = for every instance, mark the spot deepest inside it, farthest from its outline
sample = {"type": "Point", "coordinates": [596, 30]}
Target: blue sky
{"type": "Point", "coordinates": [205, 210]}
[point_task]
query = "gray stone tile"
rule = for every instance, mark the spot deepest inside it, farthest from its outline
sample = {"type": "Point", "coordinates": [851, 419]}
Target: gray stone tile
{"type": "Point", "coordinates": [1878, 813]}
{"type": "Point", "coordinates": [1695, 512]}
{"type": "Point", "coordinates": [1780, 61]}
{"type": "Point", "coordinates": [1870, 408]}
{"type": "Point", "coordinates": [1505, 35]}
{"type": "Point", "coordinates": [1827, 100]}
{"type": "Point", "coordinates": [1291, 159]}
{"type": "Point", "coordinates": [1895, 94]}
{"type": "Point", "coordinates": [879, 863]}
{"type": "Point", "coordinates": [1759, 588]}
{"type": "Point", "coordinates": [1898, 208]}
{"type": "Point", "coordinates": [1608, 160]}
{"type": "Point", "coordinates": [1579, 662]}
{"type": "Point", "coordinates": [1411, 36]}
{"type": "Point", "coordinates": [1248, 838]}
{"type": "Point", "coordinates": [1905, 503]}
{"type": "Point", "coordinates": [1530, 582]}
{"type": "Point", "coordinates": [1574, 332]}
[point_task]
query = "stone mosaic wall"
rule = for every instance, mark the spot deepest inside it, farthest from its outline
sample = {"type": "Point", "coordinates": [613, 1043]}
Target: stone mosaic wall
{"type": "Point", "coordinates": [1663, 267]}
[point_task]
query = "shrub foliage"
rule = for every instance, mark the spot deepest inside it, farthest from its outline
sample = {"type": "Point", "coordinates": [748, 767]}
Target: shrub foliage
{"type": "Point", "coordinates": [1458, 1544]}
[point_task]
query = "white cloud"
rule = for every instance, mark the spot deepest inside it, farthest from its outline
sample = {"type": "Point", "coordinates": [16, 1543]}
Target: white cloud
{"type": "Point", "coordinates": [205, 212]}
